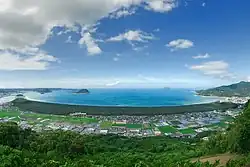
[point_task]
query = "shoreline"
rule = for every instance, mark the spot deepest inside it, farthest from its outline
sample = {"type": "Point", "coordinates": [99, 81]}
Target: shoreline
{"type": "Point", "coordinates": [65, 109]}
{"type": "Point", "coordinates": [202, 100]}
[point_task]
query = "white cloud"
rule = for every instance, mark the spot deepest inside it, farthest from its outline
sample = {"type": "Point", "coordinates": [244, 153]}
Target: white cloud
{"type": "Point", "coordinates": [29, 23]}
{"type": "Point", "coordinates": [69, 40]}
{"type": "Point", "coordinates": [137, 35]}
{"type": "Point", "coordinates": [203, 4]}
{"type": "Point", "coordinates": [37, 60]}
{"type": "Point", "coordinates": [113, 84]}
{"type": "Point", "coordinates": [161, 5]}
{"type": "Point", "coordinates": [91, 45]}
{"type": "Point", "coordinates": [219, 69]}
{"type": "Point", "coordinates": [180, 44]}
{"type": "Point", "coordinates": [122, 13]}
{"type": "Point", "coordinates": [205, 56]}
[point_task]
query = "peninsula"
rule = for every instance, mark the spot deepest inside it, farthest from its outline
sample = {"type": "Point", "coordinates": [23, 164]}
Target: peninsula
{"type": "Point", "coordinates": [241, 89]}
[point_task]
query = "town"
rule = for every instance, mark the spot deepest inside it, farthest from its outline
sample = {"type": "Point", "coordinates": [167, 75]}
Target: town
{"type": "Point", "coordinates": [174, 125]}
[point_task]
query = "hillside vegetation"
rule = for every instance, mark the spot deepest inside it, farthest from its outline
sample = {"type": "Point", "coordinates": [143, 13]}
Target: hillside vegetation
{"type": "Point", "coordinates": [241, 89]}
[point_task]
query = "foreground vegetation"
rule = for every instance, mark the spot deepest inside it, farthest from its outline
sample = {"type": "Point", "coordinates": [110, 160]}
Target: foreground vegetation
{"type": "Point", "coordinates": [68, 149]}
{"type": "Point", "coordinates": [64, 109]}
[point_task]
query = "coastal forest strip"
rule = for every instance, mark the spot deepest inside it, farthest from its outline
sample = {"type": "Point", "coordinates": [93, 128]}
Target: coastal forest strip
{"type": "Point", "coordinates": [65, 109]}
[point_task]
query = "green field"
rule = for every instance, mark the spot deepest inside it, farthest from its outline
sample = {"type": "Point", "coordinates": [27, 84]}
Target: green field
{"type": "Point", "coordinates": [129, 126]}
{"type": "Point", "coordinates": [167, 129]}
{"type": "Point", "coordinates": [187, 131]}
{"type": "Point", "coordinates": [119, 125]}
{"type": "Point", "coordinates": [4, 113]}
{"type": "Point", "coordinates": [106, 124]}
{"type": "Point", "coordinates": [220, 124]}
{"type": "Point", "coordinates": [134, 126]}
{"type": "Point", "coordinates": [70, 119]}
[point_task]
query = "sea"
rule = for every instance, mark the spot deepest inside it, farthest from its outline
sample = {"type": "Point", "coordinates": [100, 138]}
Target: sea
{"type": "Point", "coordinates": [122, 97]}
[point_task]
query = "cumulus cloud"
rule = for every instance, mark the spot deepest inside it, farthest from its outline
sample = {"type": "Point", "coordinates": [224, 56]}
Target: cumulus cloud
{"type": "Point", "coordinates": [122, 13]}
{"type": "Point", "coordinates": [69, 39]}
{"type": "Point", "coordinates": [90, 43]}
{"type": "Point", "coordinates": [37, 60]}
{"type": "Point", "coordinates": [161, 5]}
{"type": "Point", "coordinates": [205, 56]}
{"type": "Point", "coordinates": [180, 44]}
{"type": "Point", "coordinates": [133, 35]}
{"type": "Point", "coordinates": [219, 69]}
{"type": "Point", "coordinates": [203, 4]}
{"type": "Point", "coordinates": [29, 22]}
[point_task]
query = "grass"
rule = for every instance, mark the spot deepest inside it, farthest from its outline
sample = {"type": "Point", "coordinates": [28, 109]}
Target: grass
{"type": "Point", "coordinates": [220, 124]}
{"type": "Point", "coordinates": [134, 126]}
{"type": "Point", "coordinates": [119, 125]}
{"type": "Point", "coordinates": [167, 129]}
{"type": "Point", "coordinates": [187, 131]}
{"type": "Point", "coordinates": [70, 119]}
{"type": "Point", "coordinates": [106, 124]}
{"type": "Point", "coordinates": [129, 126]}
{"type": "Point", "coordinates": [4, 113]}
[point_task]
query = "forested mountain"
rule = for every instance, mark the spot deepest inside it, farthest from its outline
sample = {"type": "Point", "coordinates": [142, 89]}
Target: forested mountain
{"type": "Point", "coordinates": [241, 89]}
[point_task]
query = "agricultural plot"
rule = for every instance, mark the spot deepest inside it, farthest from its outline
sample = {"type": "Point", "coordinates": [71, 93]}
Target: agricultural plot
{"type": "Point", "coordinates": [167, 129]}
{"type": "Point", "coordinates": [106, 124]}
{"type": "Point", "coordinates": [119, 125]}
{"type": "Point", "coordinates": [220, 124]}
{"type": "Point", "coordinates": [8, 114]}
{"type": "Point", "coordinates": [41, 117]}
{"type": "Point", "coordinates": [134, 126]}
{"type": "Point", "coordinates": [187, 131]}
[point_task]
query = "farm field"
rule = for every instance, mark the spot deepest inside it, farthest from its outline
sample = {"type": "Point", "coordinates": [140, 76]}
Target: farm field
{"type": "Point", "coordinates": [34, 116]}
{"type": "Point", "coordinates": [187, 131]}
{"type": "Point", "coordinates": [167, 129]}
{"type": "Point", "coordinates": [106, 124]}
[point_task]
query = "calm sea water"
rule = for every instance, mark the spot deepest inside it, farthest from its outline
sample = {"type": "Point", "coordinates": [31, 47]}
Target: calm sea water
{"type": "Point", "coordinates": [123, 97]}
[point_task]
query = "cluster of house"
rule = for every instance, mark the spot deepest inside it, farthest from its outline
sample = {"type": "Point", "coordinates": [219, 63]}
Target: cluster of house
{"type": "Point", "coordinates": [150, 125]}
{"type": "Point", "coordinates": [236, 100]}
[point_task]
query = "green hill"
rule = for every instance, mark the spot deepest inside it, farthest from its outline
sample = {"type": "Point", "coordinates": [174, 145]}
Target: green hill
{"type": "Point", "coordinates": [241, 89]}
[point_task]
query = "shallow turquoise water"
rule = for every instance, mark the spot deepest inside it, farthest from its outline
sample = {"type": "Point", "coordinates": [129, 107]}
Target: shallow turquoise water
{"type": "Point", "coordinates": [124, 97]}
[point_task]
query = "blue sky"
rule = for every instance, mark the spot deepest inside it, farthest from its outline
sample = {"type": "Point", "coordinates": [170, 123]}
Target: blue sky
{"type": "Point", "coordinates": [140, 43]}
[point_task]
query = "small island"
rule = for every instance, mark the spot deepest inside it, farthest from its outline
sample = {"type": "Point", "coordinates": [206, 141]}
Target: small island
{"type": "Point", "coordinates": [82, 91]}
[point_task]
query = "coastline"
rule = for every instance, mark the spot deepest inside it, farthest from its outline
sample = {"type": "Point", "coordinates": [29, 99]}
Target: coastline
{"type": "Point", "coordinates": [53, 98]}
{"type": "Point", "coordinates": [65, 109]}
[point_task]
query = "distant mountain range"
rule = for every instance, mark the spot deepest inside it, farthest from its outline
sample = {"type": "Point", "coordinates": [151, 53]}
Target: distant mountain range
{"type": "Point", "coordinates": [241, 89]}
